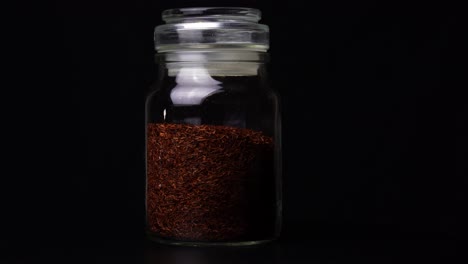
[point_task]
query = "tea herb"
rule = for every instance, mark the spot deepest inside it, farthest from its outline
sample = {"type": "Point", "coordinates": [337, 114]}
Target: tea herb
{"type": "Point", "coordinates": [207, 183]}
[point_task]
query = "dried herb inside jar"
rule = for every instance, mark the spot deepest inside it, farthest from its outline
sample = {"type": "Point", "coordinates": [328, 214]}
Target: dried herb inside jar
{"type": "Point", "coordinates": [209, 183]}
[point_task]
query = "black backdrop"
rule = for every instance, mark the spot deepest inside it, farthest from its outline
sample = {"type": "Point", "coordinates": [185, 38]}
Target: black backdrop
{"type": "Point", "coordinates": [373, 112]}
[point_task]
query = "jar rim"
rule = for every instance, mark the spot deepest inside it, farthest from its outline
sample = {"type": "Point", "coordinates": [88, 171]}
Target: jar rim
{"type": "Point", "coordinates": [238, 13]}
{"type": "Point", "coordinates": [205, 28]}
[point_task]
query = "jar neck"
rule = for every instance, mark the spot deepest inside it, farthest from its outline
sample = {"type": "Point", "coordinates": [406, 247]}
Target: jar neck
{"type": "Point", "coordinates": [213, 62]}
{"type": "Point", "coordinates": [213, 55]}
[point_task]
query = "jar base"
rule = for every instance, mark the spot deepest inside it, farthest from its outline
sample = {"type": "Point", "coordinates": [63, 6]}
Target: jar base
{"type": "Point", "coordinates": [171, 242]}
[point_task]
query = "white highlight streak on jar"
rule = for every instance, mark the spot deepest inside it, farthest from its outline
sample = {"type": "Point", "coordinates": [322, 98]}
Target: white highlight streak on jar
{"type": "Point", "coordinates": [194, 84]}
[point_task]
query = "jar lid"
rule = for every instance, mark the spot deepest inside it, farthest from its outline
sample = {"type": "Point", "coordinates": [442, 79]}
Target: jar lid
{"type": "Point", "coordinates": [211, 28]}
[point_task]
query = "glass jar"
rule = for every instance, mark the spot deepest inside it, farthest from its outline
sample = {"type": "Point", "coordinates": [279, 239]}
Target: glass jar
{"type": "Point", "coordinates": [213, 140]}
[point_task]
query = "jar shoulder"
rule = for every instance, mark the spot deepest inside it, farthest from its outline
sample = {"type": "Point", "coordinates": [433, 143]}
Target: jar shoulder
{"type": "Point", "coordinates": [221, 88]}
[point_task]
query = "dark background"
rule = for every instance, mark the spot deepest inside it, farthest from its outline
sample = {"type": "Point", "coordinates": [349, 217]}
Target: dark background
{"type": "Point", "coordinates": [373, 116]}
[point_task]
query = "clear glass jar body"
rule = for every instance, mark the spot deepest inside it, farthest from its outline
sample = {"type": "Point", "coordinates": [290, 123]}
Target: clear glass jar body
{"type": "Point", "coordinates": [213, 150]}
